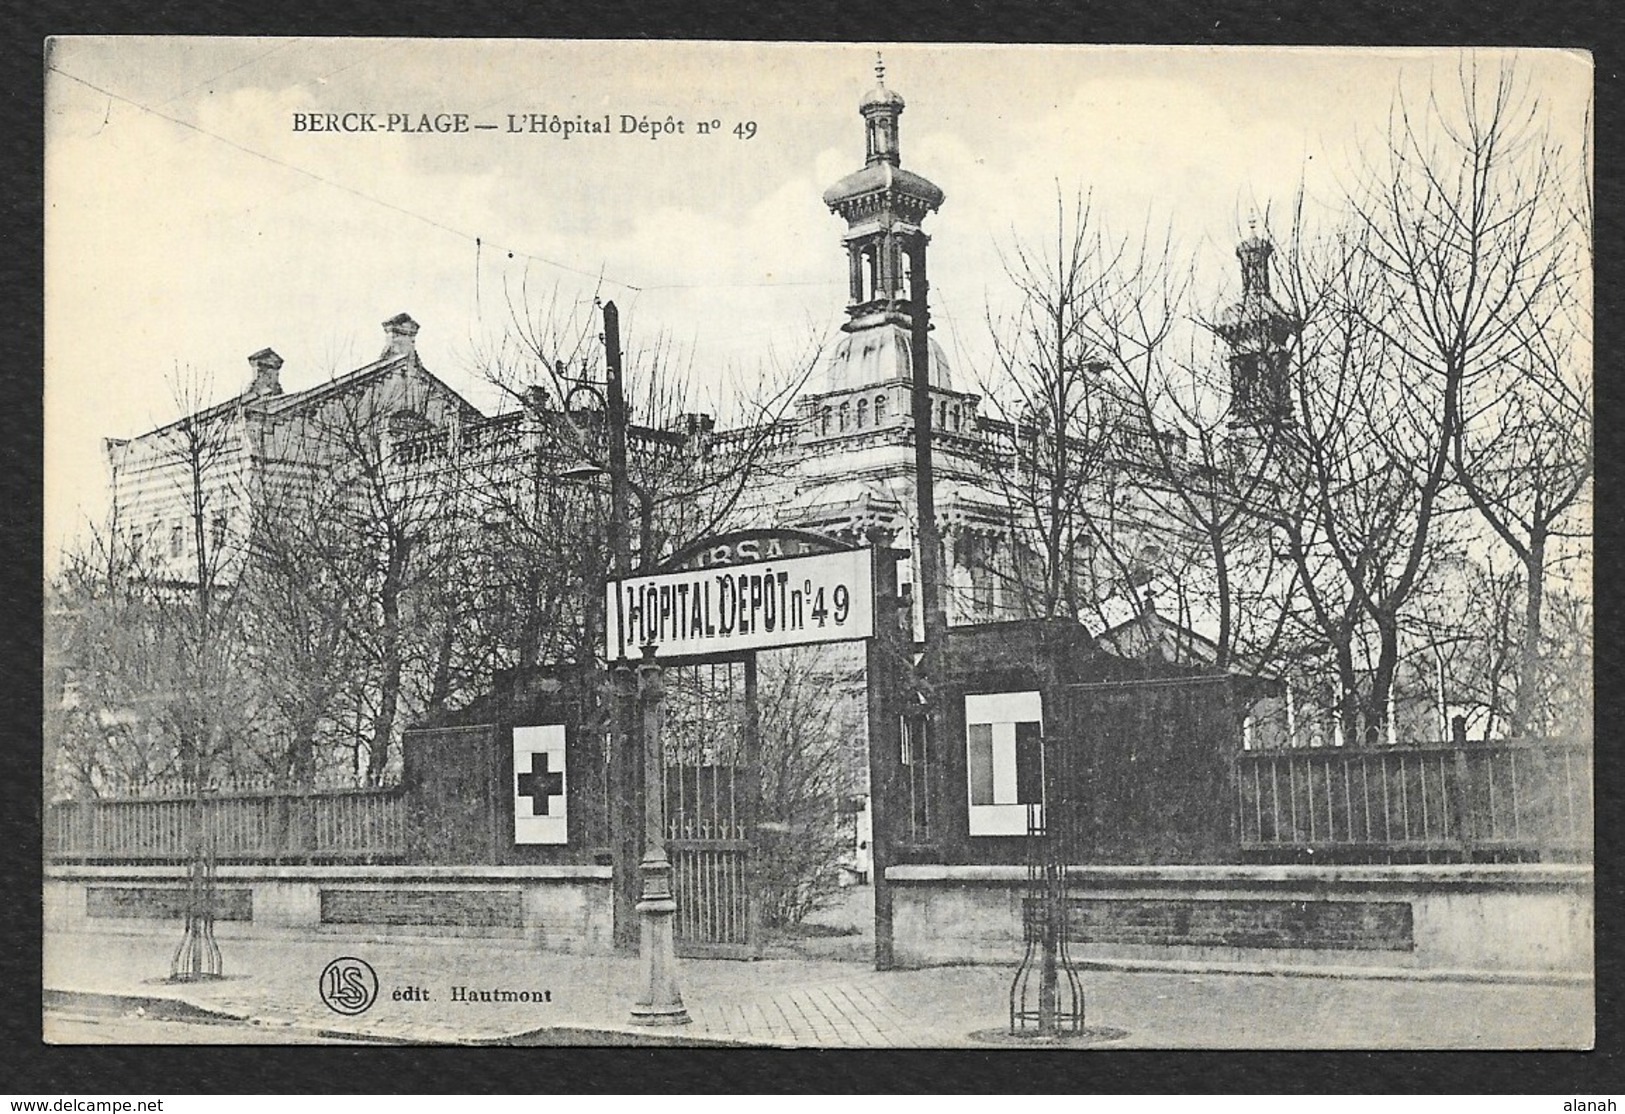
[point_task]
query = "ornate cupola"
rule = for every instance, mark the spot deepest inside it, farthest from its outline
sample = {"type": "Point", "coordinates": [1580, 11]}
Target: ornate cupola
{"type": "Point", "coordinates": [1259, 332]}
{"type": "Point", "coordinates": [883, 206]}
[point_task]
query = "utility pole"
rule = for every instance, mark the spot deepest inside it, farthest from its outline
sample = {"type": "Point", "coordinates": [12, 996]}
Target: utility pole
{"type": "Point", "coordinates": [931, 675]}
{"type": "Point", "coordinates": [934, 618]}
{"type": "Point", "coordinates": [626, 767]}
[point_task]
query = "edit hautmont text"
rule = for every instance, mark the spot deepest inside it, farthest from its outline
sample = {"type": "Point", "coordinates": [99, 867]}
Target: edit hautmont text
{"type": "Point", "coordinates": [499, 994]}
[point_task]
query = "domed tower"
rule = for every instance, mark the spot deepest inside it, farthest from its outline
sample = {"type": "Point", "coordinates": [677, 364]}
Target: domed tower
{"type": "Point", "coordinates": [1259, 332]}
{"type": "Point", "coordinates": [883, 206]}
{"type": "Point", "coordinates": [861, 467]}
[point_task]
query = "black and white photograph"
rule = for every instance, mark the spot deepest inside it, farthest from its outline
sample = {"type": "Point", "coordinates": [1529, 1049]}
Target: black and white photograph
{"type": "Point", "coordinates": [817, 545]}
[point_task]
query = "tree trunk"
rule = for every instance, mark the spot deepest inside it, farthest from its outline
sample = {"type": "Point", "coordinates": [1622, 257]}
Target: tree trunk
{"type": "Point", "coordinates": [1348, 697]}
{"type": "Point", "coordinates": [389, 681]}
{"type": "Point", "coordinates": [1382, 679]}
{"type": "Point", "coordinates": [1526, 717]}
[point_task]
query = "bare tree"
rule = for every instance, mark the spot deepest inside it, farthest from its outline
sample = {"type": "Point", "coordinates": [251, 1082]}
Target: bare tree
{"type": "Point", "coordinates": [1057, 437]}
{"type": "Point", "coordinates": [1523, 446]}
{"type": "Point", "coordinates": [110, 663]}
{"type": "Point", "coordinates": [1127, 479]}
{"type": "Point", "coordinates": [1202, 460]}
{"type": "Point", "coordinates": [549, 539]}
{"type": "Point", "coordinates": [394, 522]}
{"type": "Point", "coordinates": [1463, 226]}
{"type": "Point", "coordinates": [145, 621]}
{"type": "Point", "coordinates": [299, 612]}
{"type": "Point", "coordinates": [808, 717]}
{"type": "Point", "coordinates": [1350, 508]}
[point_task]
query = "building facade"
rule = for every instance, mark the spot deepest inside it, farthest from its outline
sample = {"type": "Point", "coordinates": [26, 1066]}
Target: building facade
{"type": "Point", "coordinates": [488, 557]}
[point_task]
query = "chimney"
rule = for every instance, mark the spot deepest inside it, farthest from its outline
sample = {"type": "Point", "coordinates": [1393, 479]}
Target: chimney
{"type": "Point", "coordinates": [537, 400]}
{"type": "Point", "coordinates": [400, 332]}
{"type": "Point", "coordinates": [265, 365]}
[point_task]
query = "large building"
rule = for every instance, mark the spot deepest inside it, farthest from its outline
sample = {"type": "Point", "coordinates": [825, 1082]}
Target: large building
{"type": "Point", "coordinates": [192, 489]}
{"type": "Point", "coordinates": [507, 551]}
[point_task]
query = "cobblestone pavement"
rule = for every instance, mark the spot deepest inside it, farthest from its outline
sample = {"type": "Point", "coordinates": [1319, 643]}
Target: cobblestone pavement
{"type": "Point", "coordinates": [271, 984]}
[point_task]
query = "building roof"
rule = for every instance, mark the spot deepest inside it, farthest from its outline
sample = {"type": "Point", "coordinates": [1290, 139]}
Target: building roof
{"type": "Point", "coordinates": [296, 401]}
{"type": "Point", "coordinates": [883, 177]}
{"type": "Point", "coordinates": [870, 356]}
{"type": "Point", "coordinates": [1150, 635]}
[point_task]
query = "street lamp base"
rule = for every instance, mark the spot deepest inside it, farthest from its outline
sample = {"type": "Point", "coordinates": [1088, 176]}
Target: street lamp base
{"type": "Point", "coordinates": [651, 1015]}
{"type": "Point", "coordinates": [661, 1002]}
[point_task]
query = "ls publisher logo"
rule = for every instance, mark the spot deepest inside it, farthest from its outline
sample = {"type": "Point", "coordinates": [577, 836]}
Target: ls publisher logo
{"type": "Point", "coordinates": [349, 986]}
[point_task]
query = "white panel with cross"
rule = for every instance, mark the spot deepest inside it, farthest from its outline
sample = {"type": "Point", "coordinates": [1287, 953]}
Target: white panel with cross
{"type": "Point", "coordinates": [539, 802]}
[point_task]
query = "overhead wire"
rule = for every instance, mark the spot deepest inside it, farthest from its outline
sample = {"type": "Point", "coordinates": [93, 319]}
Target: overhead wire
{"type": "Point", "coordinates": [340, 186]}
{"type": "Point", "coordinates": [439, 225]}
{"type": "Point", "coordinates": [284, 44]}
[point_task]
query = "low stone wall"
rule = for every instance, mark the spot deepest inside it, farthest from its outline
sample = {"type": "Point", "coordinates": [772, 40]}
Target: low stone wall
{"type": "Point", "coordinates": [553, 908]}
{"type": "Point", "coordinates": [1490, 920]}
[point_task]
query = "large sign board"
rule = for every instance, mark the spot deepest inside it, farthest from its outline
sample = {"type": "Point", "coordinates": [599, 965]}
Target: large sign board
{"type": "Point", "coordinates": [697, 612]}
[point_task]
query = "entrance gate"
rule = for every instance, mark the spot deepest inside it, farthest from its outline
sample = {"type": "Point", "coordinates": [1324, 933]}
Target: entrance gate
{"type": "Point", "coordinates": [711, 783]}
{"type": "Point", "coordinates": [706, 612]}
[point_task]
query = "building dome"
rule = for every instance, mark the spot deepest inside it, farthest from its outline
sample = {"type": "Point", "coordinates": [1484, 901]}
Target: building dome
{"type": "Point", "coordinates": [880, 354]}
{"type": "Point", "coordinates": [880, 97]}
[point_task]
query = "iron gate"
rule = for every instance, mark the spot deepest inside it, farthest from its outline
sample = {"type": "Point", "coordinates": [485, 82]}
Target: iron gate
{"type": "Point", "coordinates": [710, 789]}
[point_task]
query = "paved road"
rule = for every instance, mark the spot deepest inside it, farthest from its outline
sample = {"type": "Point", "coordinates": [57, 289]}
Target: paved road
{"type": "Point", "coordinates": [87, 1027]}
{"type": "Point", "coordinates": [810, 1002]}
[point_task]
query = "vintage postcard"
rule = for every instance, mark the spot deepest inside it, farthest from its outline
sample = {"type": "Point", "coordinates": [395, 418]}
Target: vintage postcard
{"type": "Point", "coordinates": [817, 545]}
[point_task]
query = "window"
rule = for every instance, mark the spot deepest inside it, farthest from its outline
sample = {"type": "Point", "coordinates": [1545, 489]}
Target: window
{"type": "Point", "coordinates": [217, 532]}
{"type": "Point", "coordinates": [177, 540]}
{"type": "Point", "coordinates": [843, 415]}
{"type": "Point", "coordinates": [880, 409]}
{"type": "Point", "coordinates": [1004, 761]}
{"type": "Point", "coordinates": [863, 412]}
{"type": "Point", "coordinates": [137, 540]}
{"type": "Point", "coordinates": [953, 417]}
{"type": "Point", "coordinates": [824, 420]}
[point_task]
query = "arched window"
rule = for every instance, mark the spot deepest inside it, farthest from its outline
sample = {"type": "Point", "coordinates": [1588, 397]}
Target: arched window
{"type": "Point", "coordinates": [953, 417]}
{"type": "Point", "coordinates": [823, 421]}
{"type": "Point", "coordinates": [880, 409]}
{"type": "Point", "coordinates": [863, 412]}
{"type": "Point", "coordinates": [843, 417]}
{"type": "Point", "coordinates": [942, 415]}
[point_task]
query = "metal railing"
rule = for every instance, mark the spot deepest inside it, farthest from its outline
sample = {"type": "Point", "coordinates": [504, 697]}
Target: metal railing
{"type": "Point", "coordinates": [1468, 801]}
{"type": "Point", "coordinates": [356, 825]}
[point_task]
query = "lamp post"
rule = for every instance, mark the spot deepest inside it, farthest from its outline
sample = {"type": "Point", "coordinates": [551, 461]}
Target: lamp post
{"type": "Point", "coordinates": [659, 1001]}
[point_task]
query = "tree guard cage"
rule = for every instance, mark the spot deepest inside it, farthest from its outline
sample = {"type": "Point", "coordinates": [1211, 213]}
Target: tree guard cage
{"type": "Point", "coordinates": [1046, 994]}
{"type": "Point", "coordinates": [197, 957]}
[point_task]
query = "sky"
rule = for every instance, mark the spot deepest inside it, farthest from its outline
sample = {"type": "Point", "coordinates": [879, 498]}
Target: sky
{"type": "Point", "coordinates": [191, 221]}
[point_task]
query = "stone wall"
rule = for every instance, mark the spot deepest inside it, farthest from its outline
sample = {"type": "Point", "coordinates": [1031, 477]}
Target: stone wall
{"type": "Point", "coordinates": [553, 908]}
{"type": "Point", "coordinates": [1480, 920]}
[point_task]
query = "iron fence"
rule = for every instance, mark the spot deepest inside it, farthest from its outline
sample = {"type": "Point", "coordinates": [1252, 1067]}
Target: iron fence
{"type": "Point", "coordinates": [1471, 801]}
{"type": "Point", "coordinates": [356, 825]}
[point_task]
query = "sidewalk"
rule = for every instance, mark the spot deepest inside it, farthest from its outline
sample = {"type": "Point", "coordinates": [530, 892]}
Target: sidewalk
{"type": "Point", "coordinates": [272, 984]}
